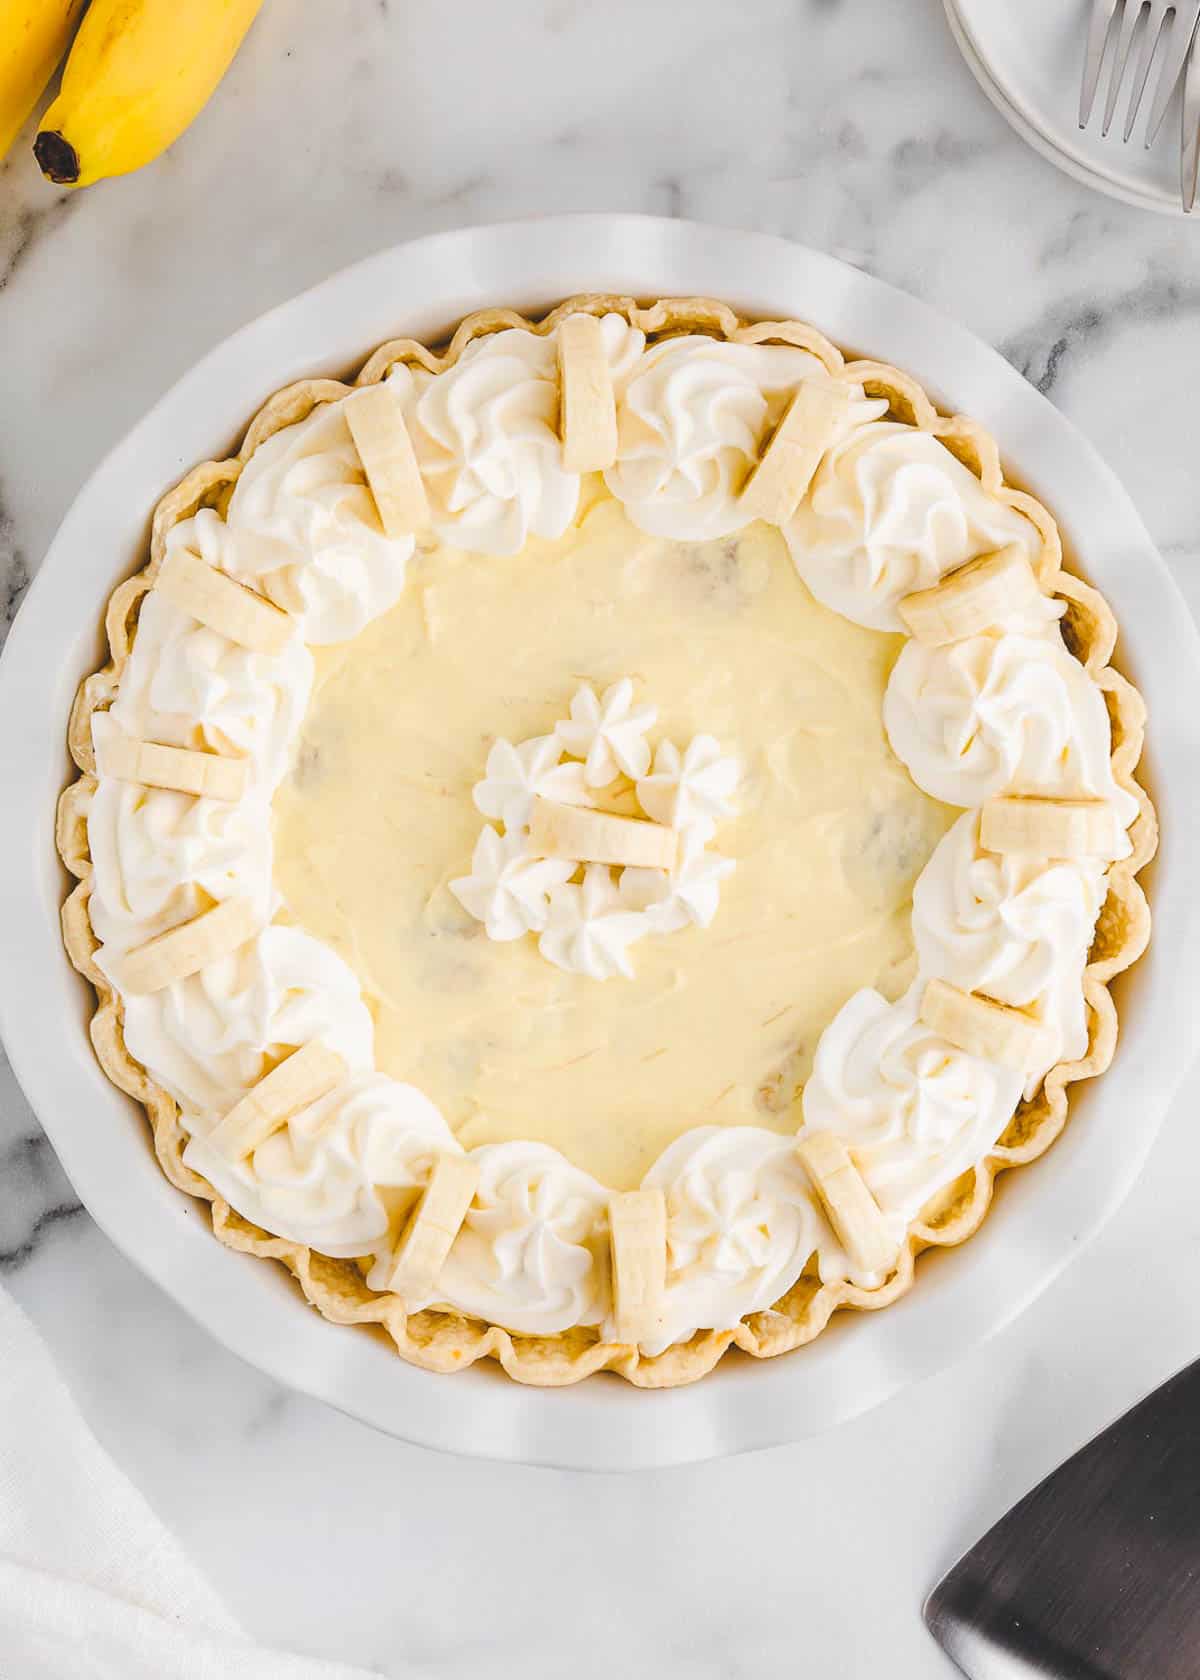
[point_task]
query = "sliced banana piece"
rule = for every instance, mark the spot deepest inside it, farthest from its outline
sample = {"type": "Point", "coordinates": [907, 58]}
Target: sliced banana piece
{"type": "Point", "coordinates": [972, 599]}
{"type": "Point", "coordinates": [205, 774]}
{"type": "Point", "coordinates": [188, 948]}
{"type": "Point", "coordinates": [637, 1221]}
{"type": "Point", "coordinates": [1051, 828]}
{"type": "Point", "coordinates": [222, 603]}
{"type": "Point", "coordinates": [588, 422]}
{"type": "Point", "coordinates": [853, 1211]}
{"type": "Point", "coordinates": [306, 1075]}
{"type": "Point", "coordinates": [583, 836]}
{"type": "Point", "coordinates": [436, 1221]}
{"type": "Point", "coordinates": [777, 483]}
{"type": "Point", "coordinates": [978, 1025]}
{"type": "Point", "coordinates": [376, 422]}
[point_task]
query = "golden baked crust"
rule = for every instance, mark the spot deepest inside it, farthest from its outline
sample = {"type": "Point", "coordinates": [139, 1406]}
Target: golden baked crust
{"type": "Point", "coordinates": [449, 1341]}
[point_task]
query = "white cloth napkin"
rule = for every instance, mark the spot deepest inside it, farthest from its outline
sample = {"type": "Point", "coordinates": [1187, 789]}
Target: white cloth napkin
{"type": "Point", "coordinates": [92, 1587]}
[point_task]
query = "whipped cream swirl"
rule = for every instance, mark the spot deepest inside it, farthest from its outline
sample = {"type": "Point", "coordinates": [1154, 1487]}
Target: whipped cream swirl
{"type": "Point", "coordinates": [891, 511]}
{"type": "Point", "coordinates": [689, 893]}
{"type": "Point", "coordinates": [608, 734]}
{"type": "Point", "coordinates": [516, 775]}
{"type": "Point", "coordinates": [1017, 928]}
{"type": "Point", "coordinates": [508, 889]}
{"type": "Point", "coordinates": [187, 686]}
{"type": "Point", "coordinates": [693, 790]}
{"type": "Point", "coordinates": [209, 1038]}
{"type": "Point", "coordinates": [692, 421]}
{"type": "Point", "coordinates": [485, 434]}
{"type": "Point", "coordinates": [741, 1226]}
{"type": "Point", "coordinates": [590, 926]}
{"type": "Point", "coordinates": [998, 714]}
{"type": "Point", "coordinates": [302, 528]}
{"type": "Point", "coordinates": [913, 1111]}
{"type": "Point", "coordinates": [158, 858]}
{"type": "Point", "coordinates": [342, 1174]}
{"type": "Point", "coordinates": [531, 1255]}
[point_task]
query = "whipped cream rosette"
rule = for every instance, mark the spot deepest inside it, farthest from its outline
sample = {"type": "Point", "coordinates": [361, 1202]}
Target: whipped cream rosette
{"type": "Point", "coordinates": [998, 713]}
{"type": "Point", "coordinates": [341, 1172]}
{"type": "Point", "coordinates": [614, 844]}
{"type": "Point", "coordinates": [1017, 928]}
{"type": "Point", "coordinates": [693, 417]}
{"type": "Point", "coordinates": [211, 1036]}
{"type": "Point", "coordinates": [914, 1110]}
{"type": "Point", "coordinates": [531, 1249]}
{"type": "Point", "coordinates": [188, 686]}
{"type": "Point", "coordinates": [485, 434]}
{"type": "Point", "coordinates": [160, 855]}
{"type": "Point", "coordinates": [303, 529]}
{"type": "Point", "coordinates": [890, 511]}
{"type": "Point", "coordinates": [742, 1224]}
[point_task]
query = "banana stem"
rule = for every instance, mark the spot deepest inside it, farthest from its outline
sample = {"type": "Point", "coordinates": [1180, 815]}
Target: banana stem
{"type": "Point", "coordinates": [57, 158]}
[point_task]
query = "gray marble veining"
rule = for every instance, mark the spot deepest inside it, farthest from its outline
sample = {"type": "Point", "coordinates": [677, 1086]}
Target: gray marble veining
{"type": "Point", "coordinates": [14, 570]}
{"type": "Point", "coordinates": [853, 127]}
{"type": "Point", "coordinates": [35, 1196]}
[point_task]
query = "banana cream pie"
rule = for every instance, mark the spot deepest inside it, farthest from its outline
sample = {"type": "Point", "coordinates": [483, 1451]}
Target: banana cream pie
{"type": "Point", "coordinates": [596, 844]}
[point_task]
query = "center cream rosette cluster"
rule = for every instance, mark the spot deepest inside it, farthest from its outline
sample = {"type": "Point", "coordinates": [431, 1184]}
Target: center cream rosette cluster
{"type": "Point", "coordinates": [260, 1033]}
{"type": "Point", "coordinates": [551, 872]}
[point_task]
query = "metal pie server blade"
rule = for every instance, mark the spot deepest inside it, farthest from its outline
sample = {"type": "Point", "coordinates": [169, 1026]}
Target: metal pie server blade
{"type": "Point", "coordinates": [1095, 1575]}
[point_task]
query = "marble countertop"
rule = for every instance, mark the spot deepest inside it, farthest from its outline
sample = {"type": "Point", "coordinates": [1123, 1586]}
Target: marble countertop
{"type": "Point", "coordinates": [852, 127]}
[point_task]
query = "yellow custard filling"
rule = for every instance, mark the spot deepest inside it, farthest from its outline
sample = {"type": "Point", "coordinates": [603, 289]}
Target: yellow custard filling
{"type": "Point", "coordinates": [720, 1024]}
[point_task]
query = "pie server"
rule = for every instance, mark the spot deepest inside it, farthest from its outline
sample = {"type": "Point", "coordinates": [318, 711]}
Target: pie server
{"type": "Point", "coordinates": [1095, 1575]}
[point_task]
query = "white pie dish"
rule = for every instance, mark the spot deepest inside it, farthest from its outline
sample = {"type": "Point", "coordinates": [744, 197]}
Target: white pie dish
{"type": "Point", "coordinates": [1038, 1220]}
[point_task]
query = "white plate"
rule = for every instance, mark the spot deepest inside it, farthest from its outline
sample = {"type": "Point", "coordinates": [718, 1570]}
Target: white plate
{"type": "Point", "coordinates": [1041, 1214]}
{"type": "Point", "coordinates": [1027, 56]}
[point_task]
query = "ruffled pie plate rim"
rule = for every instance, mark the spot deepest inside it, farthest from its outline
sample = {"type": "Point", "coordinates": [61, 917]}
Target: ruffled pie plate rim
{"type": "Point", "coordinates": [443, 1341]}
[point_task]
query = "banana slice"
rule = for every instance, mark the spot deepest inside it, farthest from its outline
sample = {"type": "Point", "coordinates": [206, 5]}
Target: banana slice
{"type": "Point", "coordinates": [588, 420]}
{"type": "Point", "coordinates": [436, 1221]}
{"type": "Point", "coordinates": [307, 1074]}
{"type": "Point", "coordinates": [853, 1212]}
{"type": "Point", "coordinates": [223, 604]}
{"type": "Point", "coordinates": [637, 1222]}
{"type": "Point", "coordinates": [971, 599]}
{"type": "Point", "coordinates": [205, 774]}
{"type": "Point", "coordinates": [188, 948]}
{"type": "Point", "coordinates": [992, 1031]}
{"type": "Point", "coordinates": [582, 836]}
{"type": "Point", "coordinates": [1051, 828]}
{"type": "Point", "coordinates": [778, 482]}
{"type": "Point", "coordinates": [376, 423]}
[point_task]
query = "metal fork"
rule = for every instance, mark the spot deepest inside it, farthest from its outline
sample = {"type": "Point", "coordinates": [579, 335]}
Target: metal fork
{"type": "Point", "coordinates": [1165, 28]}
{"type": "Point", "coordinates": [1189, 139]}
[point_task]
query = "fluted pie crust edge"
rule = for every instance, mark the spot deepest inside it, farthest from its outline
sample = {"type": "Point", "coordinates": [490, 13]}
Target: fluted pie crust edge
{"type": "Point", "coordinates": [446, 1341]}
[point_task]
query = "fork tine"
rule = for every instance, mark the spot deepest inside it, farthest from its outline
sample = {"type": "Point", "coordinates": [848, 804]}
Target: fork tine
{"type": "Point", "coordinates": [1130, 18]}
{"type": "Point", "coordinates": [1151, 35]}
{"type": "Point", "coordinates": [1098, 28]}
{"type": "Point", "coordinates": [1189, 149]}
{"type": "Point", "coordinates": [1183, 29]}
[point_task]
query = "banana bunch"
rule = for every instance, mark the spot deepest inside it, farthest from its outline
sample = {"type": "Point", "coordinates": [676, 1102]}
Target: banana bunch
{"type": "Point", "coordinates": [34, 34]}
{"type": "Point", "coordinates": [138, 73]}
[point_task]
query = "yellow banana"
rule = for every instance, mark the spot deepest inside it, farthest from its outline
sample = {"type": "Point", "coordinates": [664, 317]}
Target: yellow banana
{"type": "Point", "coordinates": [34, 34]}
{"type": "Point", "coordinates": [139, 72]}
